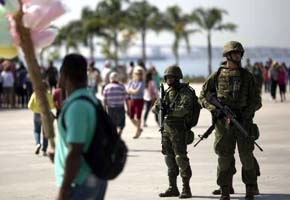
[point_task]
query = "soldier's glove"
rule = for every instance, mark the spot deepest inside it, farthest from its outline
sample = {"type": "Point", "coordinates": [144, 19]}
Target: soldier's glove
{"type": "Point", "coordinates": [217, 113]}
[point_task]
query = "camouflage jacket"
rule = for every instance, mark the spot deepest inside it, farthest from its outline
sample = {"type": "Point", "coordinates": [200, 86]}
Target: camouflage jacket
{"type": "Point", "coordinates": [179, 106]}
{"type": "Point", "coordinates": [235, 88]}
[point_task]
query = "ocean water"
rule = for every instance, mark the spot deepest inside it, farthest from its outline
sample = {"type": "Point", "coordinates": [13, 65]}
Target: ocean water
{"type": "Point", "coordinates": [199, 67]}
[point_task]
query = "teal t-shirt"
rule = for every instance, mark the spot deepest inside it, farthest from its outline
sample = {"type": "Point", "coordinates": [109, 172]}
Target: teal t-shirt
{"type": "Point", "coordinates": [80, 120]}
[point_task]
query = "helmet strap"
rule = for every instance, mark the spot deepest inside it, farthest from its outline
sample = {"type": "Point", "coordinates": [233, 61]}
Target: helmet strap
{"type": "Point", "coordinates": [229, 58]}
{"type": "Point", "coordinates": [175, 83]}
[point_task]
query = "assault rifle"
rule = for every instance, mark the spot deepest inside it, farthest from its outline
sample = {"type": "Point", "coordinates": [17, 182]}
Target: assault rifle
{"type": "Point", "coordinates": [162, 108]}
{"type": "Point", "coordinates": [206, 134]}
{"type": "Point", "coordinates": [226, 111]}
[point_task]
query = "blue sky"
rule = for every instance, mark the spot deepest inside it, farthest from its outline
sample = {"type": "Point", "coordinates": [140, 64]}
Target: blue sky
{"type": "Point", "coordinates": [260, 22]}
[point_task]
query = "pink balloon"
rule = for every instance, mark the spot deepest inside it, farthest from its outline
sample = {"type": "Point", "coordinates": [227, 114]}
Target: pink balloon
{"type": "Point", "coordinates": [32, 16]}
{"type": "Point", "coordinates": [43, 39]}
{"type": "Point", "coordinates": [39, 17]}
{"type": "Point", "coordinates": [56, 9]}
{"type": "Point", "coordinates": [37, 2]}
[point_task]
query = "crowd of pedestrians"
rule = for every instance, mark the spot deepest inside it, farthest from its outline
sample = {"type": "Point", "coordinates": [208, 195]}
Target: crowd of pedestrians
{"type": "Point", "coordinates": [15, 84]}
{"type": "Point", "coordinates": [270, 76]}
{"type": "Point", "coordinates": [16, 87]}
{"type": "Point", "coordinates": [126, 90]}
{"type": "Point", "coordinates": [139, 94]}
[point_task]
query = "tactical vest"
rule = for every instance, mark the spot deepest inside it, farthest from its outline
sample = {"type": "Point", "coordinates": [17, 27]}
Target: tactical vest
{"type": "Point", "coordinates": [232, 87]}
{"type": "Point", "coordinates": [171, 98]}
{"type": "Point", "coordinates": [191, 118]}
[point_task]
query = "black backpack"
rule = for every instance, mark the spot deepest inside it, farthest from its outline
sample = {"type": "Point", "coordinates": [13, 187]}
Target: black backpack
{"type": "Point", "coordinates": [196, 107]}
{"type": "Point", "coordinates": [107, 153]}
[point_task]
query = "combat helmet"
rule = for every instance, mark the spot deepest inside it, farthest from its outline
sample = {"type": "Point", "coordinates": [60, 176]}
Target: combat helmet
{"type": "Point", "coordinates": [173, 70]}
{"type": "Point", "coordinates": [233, 46]}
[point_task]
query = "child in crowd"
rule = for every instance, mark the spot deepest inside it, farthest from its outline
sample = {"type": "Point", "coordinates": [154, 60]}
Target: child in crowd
{"type": "Point", "coordinates": [34, 107]}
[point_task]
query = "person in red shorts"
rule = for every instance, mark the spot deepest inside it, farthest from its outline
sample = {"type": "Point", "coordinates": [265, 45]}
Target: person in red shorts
{"type": "Point", "coordinates": [136, 92]}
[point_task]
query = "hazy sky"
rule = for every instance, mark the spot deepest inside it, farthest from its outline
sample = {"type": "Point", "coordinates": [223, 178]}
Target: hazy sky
{"type": "Point", "coordinates": [260, 22]}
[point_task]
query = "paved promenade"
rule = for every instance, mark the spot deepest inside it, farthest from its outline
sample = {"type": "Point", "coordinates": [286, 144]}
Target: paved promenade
{"type": "Point", "coordinates": [25, 176]}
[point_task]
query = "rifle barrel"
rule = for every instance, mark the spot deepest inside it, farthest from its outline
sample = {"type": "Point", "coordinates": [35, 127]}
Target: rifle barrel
{"type": "Point", "coordinates": [237, 124]}
{"type": "Point", "coordinates": [206, 134]}
{"type": "Point", "coordinates": [227, 111]}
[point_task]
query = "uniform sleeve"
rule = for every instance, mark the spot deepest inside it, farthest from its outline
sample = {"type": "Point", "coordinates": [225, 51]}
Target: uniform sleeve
{"type": "Point", "coordinates": [208, 86]}
{"type": "Point", "coordinates": [79, 122]}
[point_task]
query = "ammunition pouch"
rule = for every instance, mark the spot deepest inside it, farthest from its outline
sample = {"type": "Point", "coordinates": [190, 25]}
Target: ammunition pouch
{"type": "Point", "coordinates": [189, 137]}
{"type": "Point", "coordinates": [254, 131]}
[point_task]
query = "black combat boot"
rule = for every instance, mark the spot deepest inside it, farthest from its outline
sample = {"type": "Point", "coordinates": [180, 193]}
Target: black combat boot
{"type": "Point", "coordinates": [225, 193]}
{"type": "Point", "coordinates": [186, 192]}
{"type": "Point", "coordinates": [250, 192]}
{"type": "Point", "coordinates": [256, 189]}
{"type": "Point", "coordinates": [172, 191]}
{"type": "Point", "coordinates": [218, 191]}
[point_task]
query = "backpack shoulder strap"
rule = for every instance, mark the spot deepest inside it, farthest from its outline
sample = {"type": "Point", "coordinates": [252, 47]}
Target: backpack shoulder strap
{"type": "Point", "coordinates": [190, 88]}
{"type": "Point", "coordinates": [174, 99]}
{"type": "Point", "coordinates": [83, 97]}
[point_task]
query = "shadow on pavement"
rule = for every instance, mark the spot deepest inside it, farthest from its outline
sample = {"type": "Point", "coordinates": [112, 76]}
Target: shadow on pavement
{"type": "Point", "coordinates": [242, 197]}
{"type": "Point", "coordinates": [150, 138]}
{"type": "Point", "coordinates": [273, 197]}
{"type": "Point", "coordinates": [144, 150]}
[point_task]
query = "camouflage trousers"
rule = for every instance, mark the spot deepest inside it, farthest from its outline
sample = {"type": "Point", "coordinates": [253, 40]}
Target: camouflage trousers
{"type": "Point", "coordinates": [256, 164]}
{"type": "Point", "coordinates": [226, 140]}
{"type": "Point", "coordinates": [174, 148]}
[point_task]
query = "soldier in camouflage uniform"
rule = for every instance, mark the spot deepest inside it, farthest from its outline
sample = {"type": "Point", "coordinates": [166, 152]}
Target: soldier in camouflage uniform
{"type": "Point", "coordinates": [174, 134]}
{"type": "Point", "coordinates": [236, 88]}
